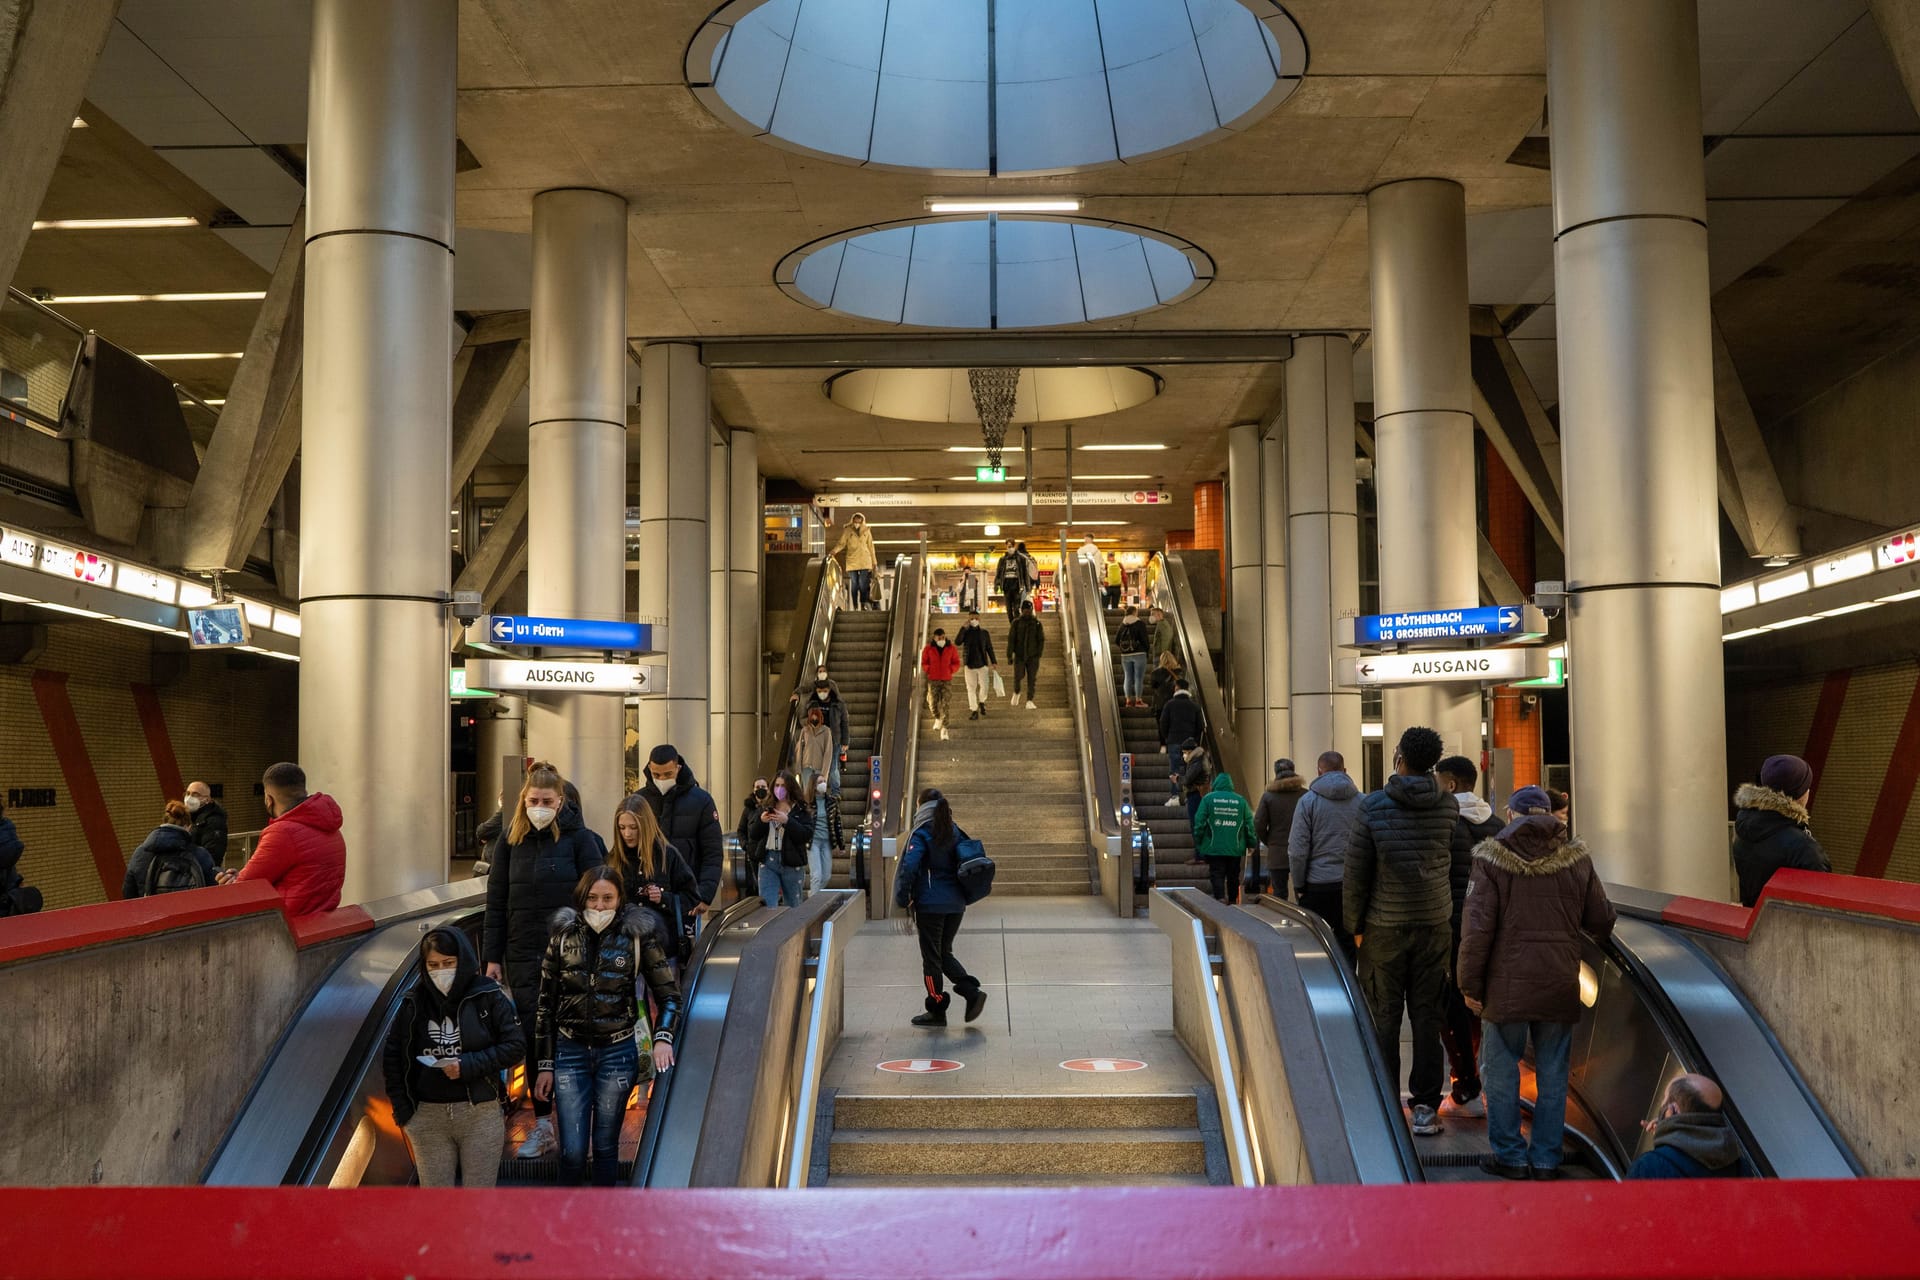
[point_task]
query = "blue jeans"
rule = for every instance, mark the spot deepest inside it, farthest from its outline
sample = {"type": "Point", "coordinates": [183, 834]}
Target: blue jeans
{"type": "Point", "coordinates": [1133, 675]}
{"type": "Point", "coordinates": [590, 1091]}
{"type": "Point", "coordinates": [777, 882]}
{"type": "Point", "coordinates": [1501, 1047]}
{"type": "Point", "coordinates": [819, 860]}
{"type": "Point", "coordinates": [857, 580]}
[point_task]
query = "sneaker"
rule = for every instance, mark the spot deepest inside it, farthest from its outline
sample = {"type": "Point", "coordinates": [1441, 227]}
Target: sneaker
{"type": "Point", "coordinates": [1030, 705]}
{"type": "Point", "coordinates": [975, 1003]}
{"type": "Point", "coordinates": [1474, 1108]}
{"type": "Point", "coordinates": [1173, 802]}
{"type": "Point", "coordinates": [944, 735]}
{"type": "Point", "coordinates": [542, 1142]}
{"type": "Point", "coordinates": [1425, 1122]}
{"type": "Point", "coordinates": [936, 723]}
{"type": "Point", "coordinates": [1016, 701]}
{"type": "Point", "coordinates": [1511, 1172]}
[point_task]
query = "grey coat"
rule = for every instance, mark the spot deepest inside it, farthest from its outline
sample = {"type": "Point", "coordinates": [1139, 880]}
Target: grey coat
{"type": "Point", "coordinates": [1322, 826]}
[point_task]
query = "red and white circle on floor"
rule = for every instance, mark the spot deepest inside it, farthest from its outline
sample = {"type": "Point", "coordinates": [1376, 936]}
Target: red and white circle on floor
{"type": "Point", "coordinates": [1099, 1065]}
{"type": "Point", "coordinates": [920, 1066]}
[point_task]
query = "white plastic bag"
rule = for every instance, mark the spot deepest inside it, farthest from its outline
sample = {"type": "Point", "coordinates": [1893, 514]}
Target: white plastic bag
{"type": "Point", "coordinates": [999, 685]}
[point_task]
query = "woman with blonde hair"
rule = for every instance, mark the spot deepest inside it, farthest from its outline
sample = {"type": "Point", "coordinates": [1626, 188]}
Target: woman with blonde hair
{"type": "Point", "coordinates": [856, 555]}
{"type": "Point", "coordinates": [541, 856]}
{"type": "Point", "coordinates": [652, 872]}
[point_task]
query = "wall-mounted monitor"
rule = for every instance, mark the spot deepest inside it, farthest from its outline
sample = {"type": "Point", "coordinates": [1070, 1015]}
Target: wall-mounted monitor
{"type": "Point", "coordinates": [217, 626]}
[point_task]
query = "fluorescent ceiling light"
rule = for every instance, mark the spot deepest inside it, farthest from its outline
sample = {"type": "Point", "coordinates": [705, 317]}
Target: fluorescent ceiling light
{"type": "Point", "coordinates": [78, 123]}
{"type": "Point", "coordinates": [1743, 635]}
{"type": "Point", "coordinates": [1800, 621]}
{"type": "Point", "coordinates": [873, 479]}
{"type": "Point", "coordinates": [1136, 475]}
{"type": "Point", "coordinates": [112, 224]}
{"type": "Point", "coordinates": [1089, 524]}
{"type": "Point", "coordinates": [1739, 596]}
{"type": "Point", "coordinates": [894, 524]}
{"type": "Point", "coordinates": [1850, 608]}
{"type": "Point", "coordinates": [1006, 204]}
{"type": "Point", "coordinates": [79, 299]}
{"type": "Point", "coordinates": [968, 448]}
{"type": "Point", "coordinates": [258, 615]}
{"type": "Point", "coordinates": [1840, 568]}
{"type": "Point", "coordinates": [896, 542]}
{"type": "Point", "coordinates": [1787, 584]}
{"type": "Point", "coordinates": [194, 594]}
{"type": "Point", "coordinates": [1373, 730]}
{"type": "Point", "coordinates": [1122, 448]}
{"type": "Point", "coordinates": [159, 356]}
{"type": "Point", "coordinates": [286, 623]}
{"type": "Point", "coordinates": [67, 608]}
{"type": "Point", "coordinates": [1011, 479]}
{"type": "Point", "coordinates": [1896, 599]}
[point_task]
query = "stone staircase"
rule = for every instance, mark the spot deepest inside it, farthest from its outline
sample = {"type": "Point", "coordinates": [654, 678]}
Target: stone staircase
{"type": "Point", "coordinates": [1173, 849]}
{"type": "Point", "coordinates": [856, 657]}
{"type": "Point", "coordinates": [1013, 776]}
{"type": "Point", "coordinates": [1033, 1140]}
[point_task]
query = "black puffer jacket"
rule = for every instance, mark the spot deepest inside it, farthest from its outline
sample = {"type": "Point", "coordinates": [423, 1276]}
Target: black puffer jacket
{"type": "Point", "coordinates": [1770, 832]}
{"type": "Point", "coordinates": [10, 851]}
{"type": "Point", "coordinates": [527, 882]}
{"type": "Point", "coordinates": [689, 818]}
{"type": "Point", "coordinates": [590, 981]}
{"type": "Point", "coordinates": [210, 830]}
{"type": "Point", "coordinates": [491, 1039]}
{"type": "Point", "coordinates": [671, 875]}
{"type": "Point", "coordinates": [1400, 856]}
{"type": "Point", "coordinates": [753, 833]}
{"type": "Point", "coordinates": [1273, 819]}
{"type": "Point", "coordinates": [165, 841]}
{"type": "Point", "coordinates": [1181, 719]}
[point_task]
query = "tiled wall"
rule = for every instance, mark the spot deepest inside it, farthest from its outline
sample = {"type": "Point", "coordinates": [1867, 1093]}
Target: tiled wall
{"type": "Point", "coordinates": [226, 723]}
{"type": "Point", "coordinates": [1863, 773]}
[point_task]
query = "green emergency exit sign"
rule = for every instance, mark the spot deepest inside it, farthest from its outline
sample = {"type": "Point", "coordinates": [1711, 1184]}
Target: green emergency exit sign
{"type": "Point", "coordinates": [990, 475]}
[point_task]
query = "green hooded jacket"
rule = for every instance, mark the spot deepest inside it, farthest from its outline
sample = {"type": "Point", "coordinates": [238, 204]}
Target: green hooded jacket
{"type": "Point", "coordinates": [1223, 828]}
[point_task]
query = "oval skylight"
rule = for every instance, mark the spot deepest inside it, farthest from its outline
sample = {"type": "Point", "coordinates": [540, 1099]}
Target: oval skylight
{"type": "Point", "coordinates": [1047, 394]}
{"type": "Point", "coordinates": [994, 272]}
{"type": "Point", "coordinates": [994, 87]}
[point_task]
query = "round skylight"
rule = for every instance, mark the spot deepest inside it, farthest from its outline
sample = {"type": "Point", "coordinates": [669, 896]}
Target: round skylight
{"type": "Point", "coordinates": [1048, 394]}
{"type": "Point", "coordinates": [994, 272]}
{"type": "Point", "coordinates": [994, 87]}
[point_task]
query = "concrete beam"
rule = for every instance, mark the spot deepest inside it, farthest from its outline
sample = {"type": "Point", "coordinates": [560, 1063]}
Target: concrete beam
{"type": "Point", "coordinates": [500, 326]}
{"type": "Point", "coordinates": [44, 69]}
{"type": "Point", "coordinates": [258, 433]}
{"type": "Point", "coordinates": [1900, 27]}
{"type": "Point", "coordinates": [512, 567]}
{"type": "Point", "coordinates": [487, 379]}
{"type": "Point", "coordinates": [1508, 410]}
{"type": "Point", "coordinates": [1495, 581]}
{"type": "Point", "coordinates": [1028, 349]}
{"type": "Point", "coordinates": [1759, 509]}
{"type": "Point", "coordinates": [484, 565]}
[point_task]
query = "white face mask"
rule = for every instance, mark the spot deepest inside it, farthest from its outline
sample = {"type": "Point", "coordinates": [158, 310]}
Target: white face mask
{"type": "Point", "coordinates": [597, 920]}
{"type": "Point", "coordinates": [819, 788]}
{"type": "Point", "coordinates": [540, 818]}
{"type": "Point", "coordinates": [442, 979]}
{"type": "Point", "coordinates": [193, 803]}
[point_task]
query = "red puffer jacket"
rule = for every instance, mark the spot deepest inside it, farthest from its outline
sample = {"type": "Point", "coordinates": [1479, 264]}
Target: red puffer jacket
{"type": "Point", "coordinates": [940, 663]}
{"type": "Point", "coordinates": [302, 854]}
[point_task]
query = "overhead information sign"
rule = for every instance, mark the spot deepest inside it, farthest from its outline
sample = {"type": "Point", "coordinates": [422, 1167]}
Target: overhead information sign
{"type": "Point", "coordinates": [565, 633]}
{"type": "Point", "coordinates": [497, 674]}
{"type": "Point", "coordinates": [1504, 622]}
{"type": "Point", "coordinates": [1444, 666]}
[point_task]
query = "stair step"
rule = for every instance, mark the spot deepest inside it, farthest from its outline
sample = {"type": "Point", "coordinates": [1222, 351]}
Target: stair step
{"type": "Point", "coordinates": [958, 1152]}
{"type": "Point", "coordinates": [1020, 1111]}
{"type": "Point", "coordinates": [1062, 1180]}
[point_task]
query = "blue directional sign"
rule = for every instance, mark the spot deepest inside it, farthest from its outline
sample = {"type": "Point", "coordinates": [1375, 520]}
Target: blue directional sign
{"type": "Point", "coordinates": [568, 633]}
{"type": "Point", "coordinates": [1438, 624]}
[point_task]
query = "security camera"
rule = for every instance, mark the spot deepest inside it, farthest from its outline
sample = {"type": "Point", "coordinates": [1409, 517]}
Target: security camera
{"type": "Point", "coordinates": [467, 606]}
{"type": "Point", "coordinates": [1550, 598]}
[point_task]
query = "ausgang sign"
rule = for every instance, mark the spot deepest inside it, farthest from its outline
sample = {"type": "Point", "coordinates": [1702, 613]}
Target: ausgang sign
{"type": "Point", "coordinates": [497, 674]}
{"type": "Point", "coordinates": [1442, 666]}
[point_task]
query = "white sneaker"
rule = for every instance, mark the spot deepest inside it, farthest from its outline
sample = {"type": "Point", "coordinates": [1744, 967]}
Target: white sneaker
{"type": "Point", "coordinates": [1015, 701]}
{"type": "Point", "coordinates": [541, 1142]}
{"type": "Point", "coordinates": [936, 722]}
{"type": "Point", "coordinates": [1174, 802]}
{"type": "Point", "coordinates": [1030, 705]}
{"type": "Point", "coordinates": [944, 735]}
{"type": "Point", "coordinates": [1473, 1108]}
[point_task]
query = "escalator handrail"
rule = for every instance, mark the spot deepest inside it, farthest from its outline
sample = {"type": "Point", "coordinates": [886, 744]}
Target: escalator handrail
{"type": "Point", "coordinates": [662, 1095]}
{"type": "Point", "coordinates": [822, 578]}
{"type": "Point", "coordinates": [1096, 701]}
{"type": "Point", "coordinates": [897, 737]}
{"type": "Point", "coordinates": [1170, 590]}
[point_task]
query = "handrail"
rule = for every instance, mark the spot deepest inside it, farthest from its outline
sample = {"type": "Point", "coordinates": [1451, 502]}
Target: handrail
{"type": "Point", "coordinates": [900, 747]}
{"type": "Point", "coordinates": [822, 577]}
{"type": "Point", "coordinates": [1095, 700]}
{"type": "Point", "coordinates": [826, 1015]}
{"type": "Point", "coordinates": [1171, 591]}
{"type": "Point", "coordinates": [1193, 977]}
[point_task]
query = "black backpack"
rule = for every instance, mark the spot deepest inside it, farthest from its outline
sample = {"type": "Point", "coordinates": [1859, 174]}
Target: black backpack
{"type": "Point", "coordinates": [974, 869]}
{"type": "Point", "coordinates": [173, 872]}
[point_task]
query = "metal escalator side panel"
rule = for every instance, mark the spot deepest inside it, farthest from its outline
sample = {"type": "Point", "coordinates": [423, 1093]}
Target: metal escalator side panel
{"type": "Point", "coordinates": [1096, 700]}
{"type": "Point", "coordinates": [1174, 593]}
{"type": "Point", "coordinates": [1781, 1124]}
{"type": "Point", "coordinates": [822, 579]}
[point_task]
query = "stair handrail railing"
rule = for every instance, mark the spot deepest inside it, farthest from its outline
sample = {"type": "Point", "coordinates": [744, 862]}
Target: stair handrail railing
{"type": "Point", "coordinates": [898, 739]}
{"type": "Point", "coordinates": [1095, 699]}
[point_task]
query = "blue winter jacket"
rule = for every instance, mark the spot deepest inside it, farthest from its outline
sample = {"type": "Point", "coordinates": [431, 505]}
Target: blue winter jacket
{"type": "Point", "coordinates": [928, 878]}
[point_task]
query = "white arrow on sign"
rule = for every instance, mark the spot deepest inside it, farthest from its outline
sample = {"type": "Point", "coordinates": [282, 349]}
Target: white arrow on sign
{"type": "Point", "coordinates": [503, 629]}
{"type": "Point", "coordinates": [1446, 666]}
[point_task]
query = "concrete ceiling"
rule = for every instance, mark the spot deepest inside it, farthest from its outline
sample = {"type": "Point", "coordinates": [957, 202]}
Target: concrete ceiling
{"type": "Point", "coordinates": [200, 107]}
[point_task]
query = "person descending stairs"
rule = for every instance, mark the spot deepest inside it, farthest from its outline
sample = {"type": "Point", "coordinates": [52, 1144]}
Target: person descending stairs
{"type": "Point", "coordinates": [855, 656]}
{"type": "Point", "coordinates": [1013, 775]}
{"type": "Point", "coordinates": [1173, 847]}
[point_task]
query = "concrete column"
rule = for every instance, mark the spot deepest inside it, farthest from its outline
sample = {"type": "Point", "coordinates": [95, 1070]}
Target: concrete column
{"type": "Point", "coordinates": [577, 470]}
{"type": "Point", "coordinates": [1637, 434]}
{"type": "Point", "coordinates": [1323, 544]}
{"type": "Point", "coordinates": [1246, 617]}
{"type": "Point", "coordinates": [719, 617]}
{"type": "Point", "coordinates": [1423, 432]}
{"type": "Point", "coordinates": [376, 434]}
{"type": "Point", "coordinates": [1273, 593]}
{"type": "Point", "coordinates": [746, 550]}
{"type": "Point", "coordinates": [500, 731]}
{"type": "Point", "coordinates": [674, 457]}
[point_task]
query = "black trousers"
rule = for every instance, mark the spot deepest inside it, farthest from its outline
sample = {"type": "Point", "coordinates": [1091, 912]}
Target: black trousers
{"type": "Point", "coordinates": [1223, 874]}
{"type": "Point", "coordinates": [523, 978]}
{"type": "Point", "coordinates": [937, 960]}
{"type": "Point", "coordinates": [1113, 597]}
{"type": "Point", "coordinates": [1028, 670]}
{"type": "Point", "coordinates": [1460, 1032]}
{"type": "Point", "coordinates": [1324, 901]}
{"type": "Point", "coordinates": [1272, 877]}
{"type": "Point", "coordinates": [1013, 596]}
{"type": "Point", "coordinates": [1404, 968]}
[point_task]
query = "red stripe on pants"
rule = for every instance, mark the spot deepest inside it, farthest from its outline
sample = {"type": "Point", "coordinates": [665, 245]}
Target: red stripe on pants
{"type": "Point", "coordinates": [1896, 793]}
{"type": "Point", "coordinates": [70, 748]}
{"type": "Point", "coordinates": [1826, 722]}
{"type": "Point", "coordinates": [153, 722]}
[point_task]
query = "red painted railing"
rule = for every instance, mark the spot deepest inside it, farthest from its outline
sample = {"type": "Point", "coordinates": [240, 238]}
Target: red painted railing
{"type": "Point", "coordinates": [47, 933]}
{"type": "Point", "coordinates": [1629, 1231]}
{"type": "Point", "coordinates": [1861, 895]}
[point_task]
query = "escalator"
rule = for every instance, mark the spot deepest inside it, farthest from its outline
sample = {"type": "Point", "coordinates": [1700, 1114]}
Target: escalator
{"type": "Point", "coordinates": [856, 660]}
{"type": "Point", "coordinates": [1657, 1006]}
